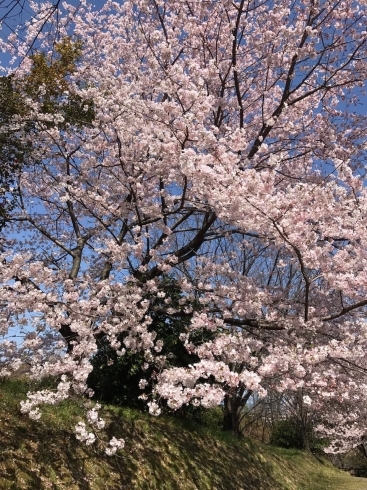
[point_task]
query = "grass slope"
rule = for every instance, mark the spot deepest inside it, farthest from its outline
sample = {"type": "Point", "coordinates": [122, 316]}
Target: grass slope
{"type": "Point", "coordinates": [160, 453]}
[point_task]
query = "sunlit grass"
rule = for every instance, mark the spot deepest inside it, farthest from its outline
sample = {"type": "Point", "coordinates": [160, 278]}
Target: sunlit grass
{"type": "Point", "coordinates": [160, 453]}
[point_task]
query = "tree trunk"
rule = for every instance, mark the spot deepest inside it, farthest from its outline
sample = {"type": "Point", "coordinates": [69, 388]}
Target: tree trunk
{"type": "Point", "coordinates": [233, 406]}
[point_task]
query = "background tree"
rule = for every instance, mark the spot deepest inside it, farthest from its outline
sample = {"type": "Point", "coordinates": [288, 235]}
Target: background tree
{"type": "Point", "coordinates": [13, 150]}
{"type": "Point", "coordinates": [15, 16]}
{"type": "Point", "coordinates": [45, 85]}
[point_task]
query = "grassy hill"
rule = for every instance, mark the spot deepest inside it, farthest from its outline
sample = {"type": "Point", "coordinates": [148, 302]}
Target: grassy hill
{"type": "Point", "coordinates": [160, 453]}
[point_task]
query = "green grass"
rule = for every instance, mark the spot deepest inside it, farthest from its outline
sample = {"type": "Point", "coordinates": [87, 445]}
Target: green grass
{"type": "Point", "coordinates": [160, 453]}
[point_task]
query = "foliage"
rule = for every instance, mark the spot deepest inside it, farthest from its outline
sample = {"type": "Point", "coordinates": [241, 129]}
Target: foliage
{"type": "Point", "coordinates": [48, 83]}
{"type": "Point", "coordinates": [115, 378]}
{"type": "Point", "coordinates": [287, 433]}
{"type": "Point", "coordinates": [13, 150]}
{"type": "Point", "coordinates": [45, 85]}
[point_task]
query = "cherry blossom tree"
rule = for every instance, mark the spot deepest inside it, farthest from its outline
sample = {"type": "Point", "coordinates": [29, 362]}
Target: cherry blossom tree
{"type": "Point", "coordinates": [220, 129]}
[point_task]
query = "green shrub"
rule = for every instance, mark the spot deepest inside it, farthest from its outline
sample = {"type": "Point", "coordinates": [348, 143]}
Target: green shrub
{"type": "Point", "coordinates": [286, 433]}
{"type": "Point", "coordinates": [115, 379]}
{"type": "Point", "coordinates": [290, 433]}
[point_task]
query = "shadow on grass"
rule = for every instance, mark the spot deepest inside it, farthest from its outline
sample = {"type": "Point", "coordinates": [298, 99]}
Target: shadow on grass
{"type": "Point", "coordinates": [157, 455]}
{"type": "Point", "coordinates": [160, 453]}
